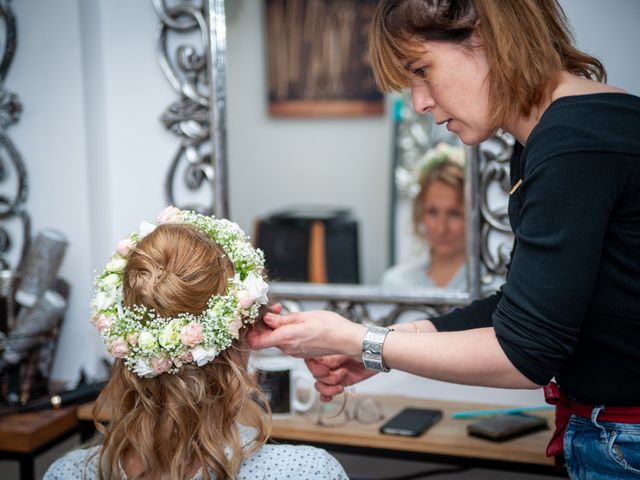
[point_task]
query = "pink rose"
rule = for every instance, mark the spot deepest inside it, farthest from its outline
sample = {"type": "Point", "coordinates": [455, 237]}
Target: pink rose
{"type": "Point", "coordinates": [234, 328]}
{"type": "Point", "coordinates": [94, 319]}
{"type": "Point", "coordinates": [124, 246]}
{"type": "Point", "coordinates": [191, 334]}
{"type": "Point", "coordinates": [119, 348]}
{"type": "Point", "coordinates": [160, 365]}
{"type": "Point", "coordinates": [169, 215]}
{"type": "Point", "coordinates": [132, 339]}
{"type": "Point", "coordinates": [103, 323]}
{"type": "Point", "coordinates": [186, 357]}
{"type": "Point", "coordinates": [245, 299]}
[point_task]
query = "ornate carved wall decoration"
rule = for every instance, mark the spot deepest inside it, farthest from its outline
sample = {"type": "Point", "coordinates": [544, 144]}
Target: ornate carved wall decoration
{"type": "Point", "coordinates": [496, 238]}
{"type": "Point", "coordinates": [195, 69]}
{"type": "Point", "coordinates": [13, 174]}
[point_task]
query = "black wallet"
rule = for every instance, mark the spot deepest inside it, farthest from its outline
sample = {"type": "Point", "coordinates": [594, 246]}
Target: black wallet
{"type": "Point", "coordinates": [505, 427]}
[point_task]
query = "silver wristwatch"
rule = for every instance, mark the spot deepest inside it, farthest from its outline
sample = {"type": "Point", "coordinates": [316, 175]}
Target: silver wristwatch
{"type": "Point", "coordinates": [372, 348]}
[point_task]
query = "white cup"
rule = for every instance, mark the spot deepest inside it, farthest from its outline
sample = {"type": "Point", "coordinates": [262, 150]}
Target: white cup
{"type": "Point", "coordinates": [280, 380]}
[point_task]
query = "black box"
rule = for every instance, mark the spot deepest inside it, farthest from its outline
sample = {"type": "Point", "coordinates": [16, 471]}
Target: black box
{"type": "Point", "coordinates": [310, 244]}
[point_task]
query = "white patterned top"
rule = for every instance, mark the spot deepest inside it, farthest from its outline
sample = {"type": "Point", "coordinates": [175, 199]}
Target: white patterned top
{"type": "Point", "coordinates": [271, 462]}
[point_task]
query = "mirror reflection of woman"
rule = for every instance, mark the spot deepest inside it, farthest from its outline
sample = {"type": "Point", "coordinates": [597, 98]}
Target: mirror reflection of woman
{"type": "Point", "coordinates": [438, 220]}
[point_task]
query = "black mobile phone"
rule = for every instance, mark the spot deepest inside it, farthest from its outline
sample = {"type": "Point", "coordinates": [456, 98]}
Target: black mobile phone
{"type": "Point", "coordinates": [411, 422]}
{"type": "Point", "coordinates": [505, 427]}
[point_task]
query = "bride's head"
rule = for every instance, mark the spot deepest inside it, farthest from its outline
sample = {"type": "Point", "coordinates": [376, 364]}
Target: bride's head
{"type": "Point", "coordinates": [182, 411]}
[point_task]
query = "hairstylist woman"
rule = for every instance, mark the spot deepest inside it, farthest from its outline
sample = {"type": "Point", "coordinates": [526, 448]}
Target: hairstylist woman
{"type": "Point", "coordinates": [570, 307]}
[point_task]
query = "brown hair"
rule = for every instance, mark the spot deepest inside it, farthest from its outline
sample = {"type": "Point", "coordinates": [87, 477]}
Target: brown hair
{"type": "Point", "coordinates": [527, 42]}
{"type": "Point", "coordinates": [447, 172]}
{"type": "Point", "coordinates": [173, 423]}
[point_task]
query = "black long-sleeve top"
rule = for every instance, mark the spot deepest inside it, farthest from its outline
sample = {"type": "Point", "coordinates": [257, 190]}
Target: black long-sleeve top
{"type": "Point", "coordinates": [570, 307]}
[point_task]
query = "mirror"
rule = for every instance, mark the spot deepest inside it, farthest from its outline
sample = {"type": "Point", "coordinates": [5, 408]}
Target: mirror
{"type": "Point", "coordinates": [337, 163]}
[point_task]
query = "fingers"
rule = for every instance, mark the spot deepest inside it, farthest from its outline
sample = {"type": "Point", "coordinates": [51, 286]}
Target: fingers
{"type": "Point", "coordinates": [264, 334]}
{"type": "Point", "coordinates": [326, 376]}
{"type": "Point", "coordinates": [275, 308]}
{"type": "Point", "coordinates": [328, 391]}
{"type": "Point", "coordinates": [316, 368]}
{"type": "Point", "coordinates": [275, 321]}
{"type": "Point", "coordinates": [330, 362]}
{"type": "Point", "coordinates": [260, 337]}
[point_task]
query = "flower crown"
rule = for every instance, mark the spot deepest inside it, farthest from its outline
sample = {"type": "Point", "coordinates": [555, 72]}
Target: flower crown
{"type": "Point", "coordinates": [150, 344]}
{"type": "Point", "coordinates": [443, 152]}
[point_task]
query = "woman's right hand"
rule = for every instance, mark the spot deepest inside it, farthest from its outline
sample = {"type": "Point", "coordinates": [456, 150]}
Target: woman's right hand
{"type": "Point", "coordinates": [334, 372]}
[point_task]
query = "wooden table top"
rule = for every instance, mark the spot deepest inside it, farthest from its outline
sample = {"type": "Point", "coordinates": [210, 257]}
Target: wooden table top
{"type": "Point", "coordinates": [447, 437]}
{"type": "Point", "coordinates": [26, 432]}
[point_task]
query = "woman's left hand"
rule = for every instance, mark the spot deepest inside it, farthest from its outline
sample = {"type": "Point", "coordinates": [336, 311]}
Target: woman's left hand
{"type": "Point", "coordinates": [308, 334]}
{"type": "Point", "coordinates": [334, 372]}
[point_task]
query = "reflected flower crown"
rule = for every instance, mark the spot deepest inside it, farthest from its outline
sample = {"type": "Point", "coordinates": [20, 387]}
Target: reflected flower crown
{"type": "Point", "coordinates": [150, 344]}
{"type": "Point", "coordinates": [442, 153]}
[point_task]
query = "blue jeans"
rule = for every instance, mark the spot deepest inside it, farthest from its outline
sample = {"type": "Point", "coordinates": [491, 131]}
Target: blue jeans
{"type": "Point", "coordinates": [601, 450]}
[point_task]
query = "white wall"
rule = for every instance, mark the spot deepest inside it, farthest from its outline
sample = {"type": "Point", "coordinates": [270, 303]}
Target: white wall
{"type": "Point", "coordinates": [609, 31]}
{"type": "Point", "coordinates": [51, 136]}
{"type": "Point", "coordinates": [91, 139]}
{"type": "Point", "coordinates": [97, 154]}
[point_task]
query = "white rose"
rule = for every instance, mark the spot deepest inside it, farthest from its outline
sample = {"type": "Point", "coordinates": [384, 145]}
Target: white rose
{"type": "Point", "coordinates": [111, 280]}
{"type": "Point", "coordinates": [143, 369]}
{"type": "Point", "coordinates": [202, 355]}
{"type": "Point", "coordinates": [103, 301]}
{"type": "Point", "coordinates": [145, 229]}
{"type": "Point", "coordinates": [146, 341]}
{"type": "Point", "coordinates": [170, 335]}
{"type": "Point", "coordinates": [257, 288]}
{"type": "Point", "coordinates": [116, 264]}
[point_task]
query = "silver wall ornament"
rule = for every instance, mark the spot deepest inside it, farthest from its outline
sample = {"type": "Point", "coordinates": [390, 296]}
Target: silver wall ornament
{"type": "Point", "coordinates": [496, 237]}
{"type": "Point", "coordinates": [198, 117]}
{"type": "Point", "coordinates": [13, 174]}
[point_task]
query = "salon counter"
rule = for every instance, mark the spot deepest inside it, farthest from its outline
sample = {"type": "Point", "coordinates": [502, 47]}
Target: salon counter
{"type": "Point", "coordinates": [447, 441]}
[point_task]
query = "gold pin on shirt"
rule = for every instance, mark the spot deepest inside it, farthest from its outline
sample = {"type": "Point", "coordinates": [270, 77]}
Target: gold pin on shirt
{"type": "Point", "coordinates": [515, 187]}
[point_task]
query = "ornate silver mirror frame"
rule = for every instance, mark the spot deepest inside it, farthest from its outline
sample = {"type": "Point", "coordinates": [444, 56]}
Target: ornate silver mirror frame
{"type": "Point", "coordinates": [13, 215]}
{"type": "Point", "coordinates": [198, 117]}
